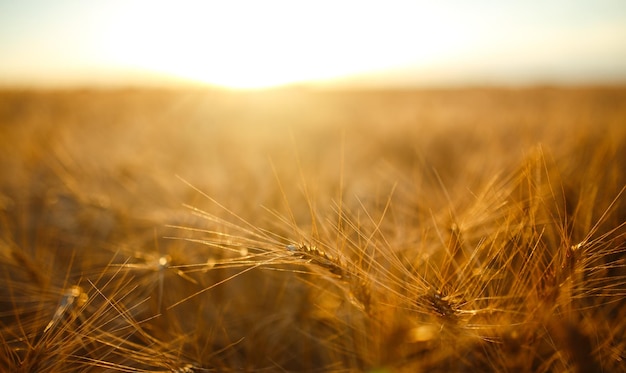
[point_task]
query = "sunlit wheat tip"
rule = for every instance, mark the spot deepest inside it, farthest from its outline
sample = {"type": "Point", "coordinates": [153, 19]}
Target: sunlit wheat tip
{"type": "Point", "coordinates": [210, 264]}
{"type": "Point", "coordinates": [440, 305]}
{"type": "Point", "coordinates": [187, 368]}
{"type": "Point", "coordinates": [320, 258]}
{"type": "Point", "coordinates": [578, 246]}
{"type": "Point", "coordinates": [73, 297]}
{"type": "Point", "coordinates": [164, 262]}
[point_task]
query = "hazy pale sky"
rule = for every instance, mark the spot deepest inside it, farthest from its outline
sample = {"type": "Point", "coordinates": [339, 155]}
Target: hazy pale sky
{"type": "Point", "coordinates": [265, 43]}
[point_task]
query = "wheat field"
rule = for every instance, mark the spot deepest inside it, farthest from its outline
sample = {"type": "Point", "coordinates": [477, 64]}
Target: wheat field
{"type": "Point", "coordinates": [443, 230]}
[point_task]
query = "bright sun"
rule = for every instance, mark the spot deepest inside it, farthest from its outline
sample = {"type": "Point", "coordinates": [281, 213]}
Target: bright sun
{"type": "Point", "coordinates": [244, 44]}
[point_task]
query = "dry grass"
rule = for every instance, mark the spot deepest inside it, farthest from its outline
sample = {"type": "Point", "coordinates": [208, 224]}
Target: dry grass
{"type": "Point", "coordinates": [192, 231]}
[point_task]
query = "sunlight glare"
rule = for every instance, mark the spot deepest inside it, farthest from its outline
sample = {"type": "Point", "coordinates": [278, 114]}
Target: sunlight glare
{"type": "Point", "coordinates": [262, 44]}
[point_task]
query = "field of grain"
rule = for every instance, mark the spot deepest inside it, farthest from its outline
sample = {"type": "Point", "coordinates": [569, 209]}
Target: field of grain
{"type": "Point", "coordinates": [297, 230]}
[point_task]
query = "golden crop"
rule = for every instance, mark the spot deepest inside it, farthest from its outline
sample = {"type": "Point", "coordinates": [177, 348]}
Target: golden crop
{"type": "Point", "coordinates": [295, 230]}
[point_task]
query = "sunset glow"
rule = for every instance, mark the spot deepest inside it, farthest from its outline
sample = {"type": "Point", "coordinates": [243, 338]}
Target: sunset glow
{"type": "Point", "coordinates": [243, 44]}
{"type": "Point", "coordinates": [249, 45]}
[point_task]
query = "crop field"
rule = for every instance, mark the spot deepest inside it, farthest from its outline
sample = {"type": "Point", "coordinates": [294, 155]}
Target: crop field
{"type": "Point", "coordinates": [443, 230]}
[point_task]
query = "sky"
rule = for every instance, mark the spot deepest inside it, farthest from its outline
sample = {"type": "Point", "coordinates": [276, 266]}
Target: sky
{"type": "Point", "coordinates": [256, 44]}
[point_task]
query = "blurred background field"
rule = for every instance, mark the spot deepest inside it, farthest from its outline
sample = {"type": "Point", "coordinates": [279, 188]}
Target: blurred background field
{"type": "Point", "coordinates": [93, 182]}
{"type": "Point", "coordinates": [110, 147]}
{"type": "Point", "coordinates": [110, 143]}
